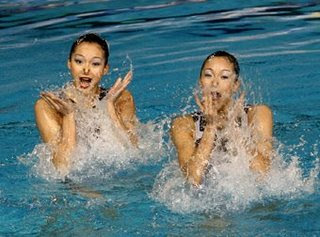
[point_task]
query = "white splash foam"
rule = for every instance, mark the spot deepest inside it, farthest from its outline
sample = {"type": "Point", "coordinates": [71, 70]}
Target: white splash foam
{"type": "Point", "coordinates": [230, 185]}
{"type": "Point", "coordinates": [102, 150]}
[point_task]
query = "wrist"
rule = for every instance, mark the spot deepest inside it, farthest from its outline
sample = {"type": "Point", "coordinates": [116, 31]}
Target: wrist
{"type": "Point", "coordinates": [211, 128]}
{"type": "Point", "coordinates": [69, 116]}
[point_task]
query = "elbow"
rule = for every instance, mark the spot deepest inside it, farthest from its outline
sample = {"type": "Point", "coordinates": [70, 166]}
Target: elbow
{"type": "Point", "coordinates": [195, 181]}
{"type": "Point", "coordinates": [194, 176]}
{"type": "Point", "coordinates": [260, 164]}
{"type": "Point", "coordinates": [61, 159]}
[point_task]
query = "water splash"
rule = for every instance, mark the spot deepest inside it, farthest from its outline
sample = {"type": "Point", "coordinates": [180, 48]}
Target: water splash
{"type": "Point", "coordinates": [230, 185]}
{"type": "Point", "coordinates": [102, 150]}
{"type": "Point", "coordinates": [126, 66]}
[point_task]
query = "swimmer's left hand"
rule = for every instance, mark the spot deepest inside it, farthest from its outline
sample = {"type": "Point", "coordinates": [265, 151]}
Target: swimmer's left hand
{"type": "Point", "coordinates": [238, 107]}
{"type": "Point", "coordinates": [119, 86]}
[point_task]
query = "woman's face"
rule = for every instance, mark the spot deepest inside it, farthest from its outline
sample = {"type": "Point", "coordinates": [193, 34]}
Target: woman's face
{"type": "Point", "coordinates": [87, 66]}
{"type": "Point", "coordinates": [218, 81]}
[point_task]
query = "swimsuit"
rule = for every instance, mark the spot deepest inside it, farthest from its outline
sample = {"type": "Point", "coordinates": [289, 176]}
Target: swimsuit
{"type": "Point", "coordinates": [103, 93]}
{"type": "Point", "coordinates": [200, 123]}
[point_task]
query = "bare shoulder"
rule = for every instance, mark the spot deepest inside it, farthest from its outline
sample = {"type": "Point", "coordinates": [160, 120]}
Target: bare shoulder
{"type": "Point", "coordinates": [125, 101]}
{"type": "Point", "coordinates": [182, 126]}
{"type": "Point", "coordinates": [125, 96]}
{"type": "Point", "coordinates": [260, 112]}
{"type": "Point", "coordinates": [262, 119]}
{"type": "Point", "coordinates": [40, 105]}
{"type": "Point", "coordinates": [44, 112]}
{"type": "Point", "coordinates": [47, 119]}
{"type": "Point", "coordinates": [182, 121]}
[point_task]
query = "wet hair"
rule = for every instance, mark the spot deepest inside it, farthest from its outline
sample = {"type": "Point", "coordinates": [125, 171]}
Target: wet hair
{"type": "Point", "coordinates": [232, 59]}
{"type": "Point", "coordinates": [91, 38]}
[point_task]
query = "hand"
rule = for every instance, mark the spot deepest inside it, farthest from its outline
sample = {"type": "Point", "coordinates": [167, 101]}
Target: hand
{"type": "Point", "coordinates": [238, 106]}
{"type": "Point", "coordinates": [61, 106]}
{"type": "Point", "coordinates": [208, 108]}
{"type": "Point", "coordinates": [118, 87]}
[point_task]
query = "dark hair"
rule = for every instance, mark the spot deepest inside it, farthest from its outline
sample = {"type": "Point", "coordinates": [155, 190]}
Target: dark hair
{"type": "Point", "coordinates": [232, 59]}
{"type": "Point", "coordinates": [91, 38]}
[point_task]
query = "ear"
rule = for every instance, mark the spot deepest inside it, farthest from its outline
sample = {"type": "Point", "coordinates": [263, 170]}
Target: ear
{"type": "Point", "coordinates": [236, 85]}
{"type": "Point", "coordinates": [69, 64]}
{"type": "Point", "coordinates": [106, 69]}
{"type": "Point", "coordinates": [200, 83]}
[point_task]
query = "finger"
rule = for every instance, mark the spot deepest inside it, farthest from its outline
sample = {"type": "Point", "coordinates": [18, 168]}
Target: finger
{"type": "Point", "coordinates": [121, 85]}
{"type": "Point", "coordinates": [58, 101]}
{"type": "Point", "coordinates": [210, 105]}
{"type": "Point", "coordinates": [128, 76]}
{"type": "Point", "coordinates": [50, 102]}
{"type": "Point", "coordinates": [125, 82]}
{"type": "Point", "coordinates": [241, 98]}
{"type": "Point", "coordinates": [240, 101]}
{"type": "Point", "coordinates": [198, 101]}
{"type": "Point", "coordinates": [206, 102]}
{"type": "Point", "coordinates": [117, 83]}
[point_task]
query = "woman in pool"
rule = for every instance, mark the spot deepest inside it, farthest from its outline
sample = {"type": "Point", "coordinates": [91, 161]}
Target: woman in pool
{"type": "Point", "coordinates": [194, 136]}
{"type": "Point", "coordinates": [55, 115]}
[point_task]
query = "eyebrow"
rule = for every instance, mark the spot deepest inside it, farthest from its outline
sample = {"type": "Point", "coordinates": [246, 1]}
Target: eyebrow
{"type": "Point", "coordinates": [227, 70]}
{"type": "Point", "coordinates": [80, 55]}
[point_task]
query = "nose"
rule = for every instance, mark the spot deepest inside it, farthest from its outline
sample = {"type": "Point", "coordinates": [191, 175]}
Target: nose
{"type": "Point", "coordinates": [215, 82]}
{"type": "Point", "coordinates": [86, 68]}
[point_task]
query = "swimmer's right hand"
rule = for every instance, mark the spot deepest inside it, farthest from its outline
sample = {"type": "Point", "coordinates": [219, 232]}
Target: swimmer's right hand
{"type": "Point", "coordinates": [62, 106]}
{"type": "Point", "coordinates": [209, 109]}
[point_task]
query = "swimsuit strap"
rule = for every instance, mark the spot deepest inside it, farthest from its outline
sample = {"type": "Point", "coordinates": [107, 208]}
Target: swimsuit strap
{"type": "Point", "coordinates": [200, 123]}
{"type": "Point", "coordinates": [247, 108]}
{"type": "Point", "coordinates": [103, 92]}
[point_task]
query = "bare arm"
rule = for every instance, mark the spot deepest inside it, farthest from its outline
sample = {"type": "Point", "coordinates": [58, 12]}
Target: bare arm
{"type": "Point", "coordinates": [120, 107]}
{"type": "Point", "coordinates": [260, 117]}
{"type": "Point", "coordinates": [193, 159]}
{"type": "Point", "coordinates": [126, 111]}
{"type": "Point", "coordinates": [56, 125]}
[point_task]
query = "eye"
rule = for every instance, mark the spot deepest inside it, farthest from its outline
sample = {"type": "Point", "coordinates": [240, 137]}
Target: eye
{"type": "Point", "coordinates": [78, 61]}
{"type": "Point", "coordinates": [96, 64]}
{"type": "Point", "coordinates": [207, 73]}
{"type": "Point", "coordinates": [224, 77]}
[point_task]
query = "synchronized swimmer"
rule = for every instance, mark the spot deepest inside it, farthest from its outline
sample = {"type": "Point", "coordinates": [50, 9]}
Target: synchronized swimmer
{"type": "Point", "coordinates": [55, 115]}
{"type": "Point", "coordinates": [193, 135]}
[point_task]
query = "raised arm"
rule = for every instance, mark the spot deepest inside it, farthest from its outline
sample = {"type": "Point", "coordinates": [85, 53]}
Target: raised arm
{"type": "Point", "coordinates": [260, 118]}
{"type": "Point", "coordinates": [120, 107]}
{"type": "Point", "coordinates": [193, 159]}
{"type": "Point", "coordinates": [126, 111]}
{"type": "Point", "coordinates": [56, 124]}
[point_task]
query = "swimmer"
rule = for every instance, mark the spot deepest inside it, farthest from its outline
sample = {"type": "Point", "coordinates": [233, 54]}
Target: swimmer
{"type": "Point", "coordinates": [55, 114]}
{"type": "Point", "coordinates": [194, 136]}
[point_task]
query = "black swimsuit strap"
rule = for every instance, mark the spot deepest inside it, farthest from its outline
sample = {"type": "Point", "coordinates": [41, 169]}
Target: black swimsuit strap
{"type": "Point", "coordinates": [103, 93]}
{"type": "Point", "coordinates": [199, 116]}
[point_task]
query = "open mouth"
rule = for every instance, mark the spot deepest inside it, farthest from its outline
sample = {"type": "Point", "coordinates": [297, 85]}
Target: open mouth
{"type": "Point", "coordinates": [85, 82]}
{"type": "Point", "coordinates": [215, 95]}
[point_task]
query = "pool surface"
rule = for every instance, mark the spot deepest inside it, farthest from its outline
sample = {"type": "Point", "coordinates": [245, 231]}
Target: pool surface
{"type": "Point", "coordinates": [142, 193]}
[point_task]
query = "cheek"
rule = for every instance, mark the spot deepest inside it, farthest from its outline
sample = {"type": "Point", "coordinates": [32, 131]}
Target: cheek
{"type": "Point", "coordinates": [74, 69]}
{"type": "Point", "coordinates": [98, 72]}
{"type": "Point", "coordinates": [205, 84]}
{"type": "Point", "coordinates": [227, 88]}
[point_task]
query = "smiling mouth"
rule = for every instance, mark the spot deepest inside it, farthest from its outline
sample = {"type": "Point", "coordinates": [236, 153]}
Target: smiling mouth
{"type": "Point", "coordinates": [215, 95]}
{"type": "Point", "coordinates": [85, 82]}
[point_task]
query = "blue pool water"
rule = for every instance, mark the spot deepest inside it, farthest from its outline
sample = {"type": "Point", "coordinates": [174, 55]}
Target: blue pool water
{"type": "Point", "coordinates": [278, 47]}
